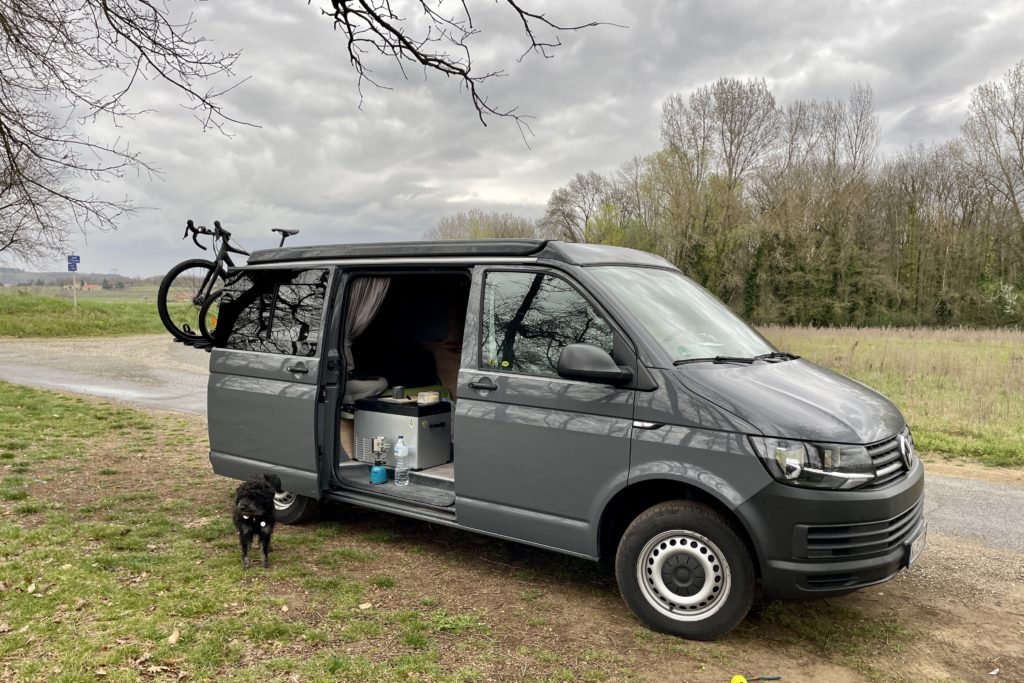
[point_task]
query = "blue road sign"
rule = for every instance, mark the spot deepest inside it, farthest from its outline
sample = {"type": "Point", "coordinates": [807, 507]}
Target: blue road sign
{"type": "Point", "coordinates": [72, 267]}
{"type": "Point", "coordinates": [74, 259]}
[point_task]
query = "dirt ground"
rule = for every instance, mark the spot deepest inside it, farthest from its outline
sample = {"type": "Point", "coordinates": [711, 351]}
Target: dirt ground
{"type": "Point", "coordinates": [958, 615]}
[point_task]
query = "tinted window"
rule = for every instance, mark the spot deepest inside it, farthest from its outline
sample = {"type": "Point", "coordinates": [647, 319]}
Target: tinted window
{"type": "Point", "coordinates": [273, 312]}
{"type": "Point", "coordinates": [528, 318]}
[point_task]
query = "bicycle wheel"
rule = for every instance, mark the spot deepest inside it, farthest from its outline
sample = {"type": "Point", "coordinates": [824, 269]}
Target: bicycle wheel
{"type": "Point", "coordinates": [180, 298]}
{"type": "Point", "coordinates": [209, 314]}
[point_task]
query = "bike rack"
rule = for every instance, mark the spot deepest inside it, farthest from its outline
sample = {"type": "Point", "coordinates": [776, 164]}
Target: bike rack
{"type": "Point", "coordinates": [203, 344]}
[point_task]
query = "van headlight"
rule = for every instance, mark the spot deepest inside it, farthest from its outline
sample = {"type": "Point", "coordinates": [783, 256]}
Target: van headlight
{"type": "Point", "coordinates": [815, 465]}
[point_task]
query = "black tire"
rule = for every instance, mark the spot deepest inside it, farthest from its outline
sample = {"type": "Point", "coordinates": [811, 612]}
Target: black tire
{"type": "Point", "coordinates": [180, 288]}
{"type": "Point", "coordinates": [683, 570]}
{"type": "Point", "coordinates": [291, 508]}
{"type": "Point", "coordinates": [209, 313]}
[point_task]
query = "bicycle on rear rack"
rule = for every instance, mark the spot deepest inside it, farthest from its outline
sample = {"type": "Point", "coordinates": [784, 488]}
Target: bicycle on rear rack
{"type": "Point", "coordinates": [188, 293]}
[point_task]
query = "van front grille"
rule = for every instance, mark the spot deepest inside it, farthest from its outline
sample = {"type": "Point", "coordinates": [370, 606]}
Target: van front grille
{"type": "Point", "coordinates": [888, 461]}
{"type": "Point", "coordinates": [858, 540]}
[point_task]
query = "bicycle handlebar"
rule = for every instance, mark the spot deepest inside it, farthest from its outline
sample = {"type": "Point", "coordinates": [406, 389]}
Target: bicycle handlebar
{"type": "Point", "coordinates": [190, 227]}
{"type": "Point", "coordinates": [220, 232]}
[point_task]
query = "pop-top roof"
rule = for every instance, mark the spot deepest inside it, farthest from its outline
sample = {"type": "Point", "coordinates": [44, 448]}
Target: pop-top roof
{"type": "Point", "coordinates": [577, 254]}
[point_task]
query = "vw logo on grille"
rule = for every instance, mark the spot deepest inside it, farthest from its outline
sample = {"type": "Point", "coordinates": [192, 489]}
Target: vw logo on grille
{"type": "Point", "coordinates": [906, 450]}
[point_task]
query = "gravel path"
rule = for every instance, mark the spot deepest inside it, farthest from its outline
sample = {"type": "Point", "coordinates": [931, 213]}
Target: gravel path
{"type": "Point", "coordinates": [154, 372]}
{"type": "Point", "coordinates": [151, 371]}
{"type": "Point", "coordinates": [988, 512]}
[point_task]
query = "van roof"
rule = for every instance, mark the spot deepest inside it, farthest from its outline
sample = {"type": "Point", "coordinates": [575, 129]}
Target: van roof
{"type": "Point", "coordinates": [576, 254]}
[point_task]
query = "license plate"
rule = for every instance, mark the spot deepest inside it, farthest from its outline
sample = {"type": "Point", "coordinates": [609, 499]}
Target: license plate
{"type": "Point", "coordinates": [917, 546]}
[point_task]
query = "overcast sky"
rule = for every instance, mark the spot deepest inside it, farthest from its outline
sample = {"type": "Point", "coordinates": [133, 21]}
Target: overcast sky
{"type": "Point", "coordinates": [416, 153]}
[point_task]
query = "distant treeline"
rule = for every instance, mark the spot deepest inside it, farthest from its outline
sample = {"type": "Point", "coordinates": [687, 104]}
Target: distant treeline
{"type": "Point", "coordinates": [17, 276]}
{"type": "Point", "coordinates": [788, 214]}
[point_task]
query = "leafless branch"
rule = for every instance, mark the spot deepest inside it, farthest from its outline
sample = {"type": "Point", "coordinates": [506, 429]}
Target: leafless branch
{"type": "Point", "coordinates": [438, 42]}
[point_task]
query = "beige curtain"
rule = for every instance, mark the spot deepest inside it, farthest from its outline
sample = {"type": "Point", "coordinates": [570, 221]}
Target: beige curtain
{"type": "Point", "coordinates": [365, 296]}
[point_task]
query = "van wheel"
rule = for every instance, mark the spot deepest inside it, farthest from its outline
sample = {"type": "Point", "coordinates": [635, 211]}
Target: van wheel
{"type": "Point", "coordinates": [683, 570]}
{"type": "Point", "coordinates": [291, 508]}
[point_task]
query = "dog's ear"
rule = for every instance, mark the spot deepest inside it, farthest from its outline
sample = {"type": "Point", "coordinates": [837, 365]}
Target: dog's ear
{"type": "Point", "coordinates": [274, 481]}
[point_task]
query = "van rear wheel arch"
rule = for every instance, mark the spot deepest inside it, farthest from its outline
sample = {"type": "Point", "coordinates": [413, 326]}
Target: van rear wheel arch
{"type": "Point", "coordinates": [630, 502]}
{"type": "Point", "coordinates": [291, 508]}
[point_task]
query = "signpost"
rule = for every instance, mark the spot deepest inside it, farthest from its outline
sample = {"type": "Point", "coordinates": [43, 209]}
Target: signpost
{"type": "Point", "coordinates": [73, 261]}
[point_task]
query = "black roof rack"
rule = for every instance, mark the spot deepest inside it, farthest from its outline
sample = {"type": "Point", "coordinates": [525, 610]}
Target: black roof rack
{"type": "Point", "coordinates": [441, 248]}
{"type": "Point", "coordinates": [578, 254]}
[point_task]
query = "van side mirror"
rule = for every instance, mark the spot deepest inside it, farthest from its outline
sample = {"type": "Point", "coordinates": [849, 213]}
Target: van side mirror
{"type": "Point", "coordinates": [588, 363]}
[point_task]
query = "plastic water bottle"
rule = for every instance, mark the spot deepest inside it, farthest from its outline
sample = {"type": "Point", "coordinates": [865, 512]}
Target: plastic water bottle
{"type": "Point", "coordinates": [401, 463]}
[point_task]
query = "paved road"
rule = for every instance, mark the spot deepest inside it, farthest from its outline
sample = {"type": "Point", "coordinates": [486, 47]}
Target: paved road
{"type": "Point", "coordinates": [154, 372]}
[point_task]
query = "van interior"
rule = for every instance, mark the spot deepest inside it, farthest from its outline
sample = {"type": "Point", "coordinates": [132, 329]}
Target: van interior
{"type": "Point", "coordinates": [402, 329]}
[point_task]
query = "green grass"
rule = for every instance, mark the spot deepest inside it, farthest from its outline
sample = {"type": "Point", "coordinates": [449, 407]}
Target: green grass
{"type": "Point", "coordinates": [120, 576]}
{"type": "Point", "coordinates": [962, 391]}
{"type": "Point", "coordinates": [27, 315]}
{"type": "Point", "coordinates": [131, 584]}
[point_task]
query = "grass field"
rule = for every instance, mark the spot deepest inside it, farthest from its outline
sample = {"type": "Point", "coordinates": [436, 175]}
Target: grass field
{"type": "Point", "coordinates": [138, 291]}
{"type": "Point", "coordinates": [962, 391]}
{"type": "Point", "coordinates": [27, 315]}
{"type": "Point", "coordinates": [118, 562]}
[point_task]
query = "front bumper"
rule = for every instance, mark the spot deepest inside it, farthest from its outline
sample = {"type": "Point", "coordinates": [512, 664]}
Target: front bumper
{"type": "Point", "coordinates": [818, 543]}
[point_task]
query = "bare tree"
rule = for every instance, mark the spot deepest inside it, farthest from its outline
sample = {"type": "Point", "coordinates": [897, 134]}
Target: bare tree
{"type": "Point", "coordinates": [994, 134]}
{"type": "Point", "coordinates": [65, 64]}
{"type": "Point", "coordinates": [571, 208]}
{"type": "Point", "coordinates": [686, 130]}
{"type": "Point", "coordinates": [476, 224]}
{"type": "Point", "coordinates": [729, 127]}
{"type": "Point", "coordinates": [860, 129]}
{"type": "Point", "coordinates": [747, 124]}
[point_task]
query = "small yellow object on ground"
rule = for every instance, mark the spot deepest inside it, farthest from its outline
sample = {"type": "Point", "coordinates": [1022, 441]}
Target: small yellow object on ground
{"type": "Point", "coordinates": [738, 679]}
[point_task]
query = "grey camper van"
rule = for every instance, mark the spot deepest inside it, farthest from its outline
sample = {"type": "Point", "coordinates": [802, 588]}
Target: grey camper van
{"type": "Point", "coordinates": [586, 399]}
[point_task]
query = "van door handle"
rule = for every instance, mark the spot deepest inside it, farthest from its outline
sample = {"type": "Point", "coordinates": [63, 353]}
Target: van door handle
{"type": "Point", "coordinates": [298, 368]}
{"type": "Point", "coordinates": [484, 384]}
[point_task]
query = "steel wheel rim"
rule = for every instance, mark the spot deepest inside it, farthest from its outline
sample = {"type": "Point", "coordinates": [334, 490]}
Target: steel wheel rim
{"type": "Point", "coordinates": [283, 500]}
{"type": "Point", "coordinates": [683, 575]}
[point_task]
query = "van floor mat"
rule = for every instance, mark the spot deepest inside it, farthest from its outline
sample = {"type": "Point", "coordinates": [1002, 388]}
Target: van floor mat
{"type": "Point", "coordinates": [359, 478]}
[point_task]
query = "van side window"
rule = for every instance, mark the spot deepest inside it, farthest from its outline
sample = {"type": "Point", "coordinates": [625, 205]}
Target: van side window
{"type": "Point", "coordinates": [528, 318]}
{"type": "Point", "coordinates": [273, 312]}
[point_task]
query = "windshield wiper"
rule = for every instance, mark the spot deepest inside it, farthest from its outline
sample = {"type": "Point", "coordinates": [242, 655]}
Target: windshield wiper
{"type": "Point", "coordinates": [714, 359]}
{"type": "Point", "coordinates": [780, 355]}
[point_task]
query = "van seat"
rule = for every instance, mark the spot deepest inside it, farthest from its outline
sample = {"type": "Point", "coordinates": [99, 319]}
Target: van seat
{"type": "Point", "coordinates": [363, 387]}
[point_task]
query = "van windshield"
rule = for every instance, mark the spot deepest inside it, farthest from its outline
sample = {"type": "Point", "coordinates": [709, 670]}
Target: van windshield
{"type": "Point", "coordinates": [684, 318]}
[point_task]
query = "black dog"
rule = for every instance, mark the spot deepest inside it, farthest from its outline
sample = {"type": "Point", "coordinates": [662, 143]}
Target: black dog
{"type": "Point", "coordinates": [254, 514]}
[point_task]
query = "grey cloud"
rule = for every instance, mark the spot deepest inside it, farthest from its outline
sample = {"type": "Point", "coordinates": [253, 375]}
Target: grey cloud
{"type": "Point", "coordinates": [412, 154]}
